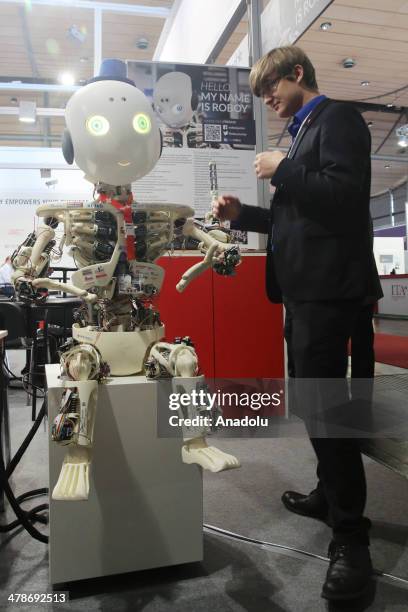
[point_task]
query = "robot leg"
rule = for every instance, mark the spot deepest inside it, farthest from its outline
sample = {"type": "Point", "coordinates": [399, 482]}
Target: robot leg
{"type": "Point", "coordinates": [74, 424]}
{"type": "Point", "coordinates": [180, 362]}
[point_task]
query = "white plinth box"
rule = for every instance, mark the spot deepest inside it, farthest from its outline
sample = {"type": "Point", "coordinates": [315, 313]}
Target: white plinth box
{"type": "Point", "coordinates": [145, 505]}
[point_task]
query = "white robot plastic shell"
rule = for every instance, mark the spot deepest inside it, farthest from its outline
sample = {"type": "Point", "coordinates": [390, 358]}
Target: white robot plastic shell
{"type": "Point", "coordinates": [114, 133]}
{"type": "Point", "coordinates": [173, 99]}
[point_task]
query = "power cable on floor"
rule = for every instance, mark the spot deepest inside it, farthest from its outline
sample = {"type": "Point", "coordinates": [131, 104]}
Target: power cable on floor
{"type": "Point", "coordinates": [24, 517]}
{"type": "Point", "coordinates": [297, 551]}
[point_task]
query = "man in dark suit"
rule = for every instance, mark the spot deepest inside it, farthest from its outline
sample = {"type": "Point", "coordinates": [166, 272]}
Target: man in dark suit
{"type": "Point", "coordinates": [320, 264]}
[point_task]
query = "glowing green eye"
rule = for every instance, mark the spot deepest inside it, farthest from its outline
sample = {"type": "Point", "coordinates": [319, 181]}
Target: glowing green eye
{"type": "Point", "coordinates": [97, 125]}
{"type": "Point", "coordinates": [141, 123]}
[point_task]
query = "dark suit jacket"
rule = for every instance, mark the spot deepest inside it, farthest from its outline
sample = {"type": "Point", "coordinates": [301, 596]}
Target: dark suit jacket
{"type": "Point", "coordinates": [319, 226]}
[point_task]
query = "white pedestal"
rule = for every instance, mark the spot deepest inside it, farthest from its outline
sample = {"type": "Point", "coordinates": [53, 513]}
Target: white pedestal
{"type": "Point", "coordinates": [145, 506]}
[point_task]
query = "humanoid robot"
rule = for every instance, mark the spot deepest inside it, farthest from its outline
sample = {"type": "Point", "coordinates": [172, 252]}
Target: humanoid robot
{"type": "Point", "coordinates": [113, 137]}
{"type": "Point", "coordinates": [176, 104]}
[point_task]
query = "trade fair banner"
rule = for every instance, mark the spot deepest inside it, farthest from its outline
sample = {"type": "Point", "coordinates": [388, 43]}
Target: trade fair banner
{"type": "Point", "coordinates": [206, 115]}
{"type": "Point", "coordinates": [23, 190]}
{"type": "Point", "coordinates": [395, 300]}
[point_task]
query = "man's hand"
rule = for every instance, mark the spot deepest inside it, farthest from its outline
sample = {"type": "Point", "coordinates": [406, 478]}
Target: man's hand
{"type": "Point", "coordinates": [226, 208]}
{"type": "Point", "coordinates": [266, 163]}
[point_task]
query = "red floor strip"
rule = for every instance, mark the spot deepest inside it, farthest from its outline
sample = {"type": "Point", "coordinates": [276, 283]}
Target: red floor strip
{"type": "Point", "coordinates": [392, 350]}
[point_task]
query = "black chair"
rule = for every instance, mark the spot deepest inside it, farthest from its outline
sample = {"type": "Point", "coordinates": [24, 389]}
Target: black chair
{"type": "Point", "coordinates": [13, 317]}
{"type": "Point", "coordinates": [32, 326]}
{"type": "Point", "coordinates": [7, 290]}
{"type": "Point", "coordinates": [56, 315]}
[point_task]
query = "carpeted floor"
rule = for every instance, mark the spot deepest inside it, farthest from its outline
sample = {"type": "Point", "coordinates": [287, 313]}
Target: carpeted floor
{"type": "Point", "coordinates": [391, 349]}
{"type": "Point", "coordinates": [234, 575]}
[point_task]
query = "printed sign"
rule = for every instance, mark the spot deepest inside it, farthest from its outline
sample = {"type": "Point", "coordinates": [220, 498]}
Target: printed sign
{"type": "Point", "coordinates": [205, 114]}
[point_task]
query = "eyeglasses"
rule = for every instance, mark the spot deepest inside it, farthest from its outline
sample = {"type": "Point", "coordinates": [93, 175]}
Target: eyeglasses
{"type": "Point", "coordinates": [269, 86]}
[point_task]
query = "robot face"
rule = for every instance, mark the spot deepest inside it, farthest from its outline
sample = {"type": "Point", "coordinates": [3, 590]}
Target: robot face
{"type": "Point", "coordinates": [114, 133]}
{"type": "Point", "coordinates": [172, 99]}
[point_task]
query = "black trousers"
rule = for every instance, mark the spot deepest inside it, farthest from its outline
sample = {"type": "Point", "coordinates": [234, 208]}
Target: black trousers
{"type": "Point", "coordinates": [317, 335]}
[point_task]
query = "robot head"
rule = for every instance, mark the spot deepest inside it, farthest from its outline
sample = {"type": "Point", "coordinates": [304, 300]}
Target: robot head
{"type": "Point", "coordinates": [111, 131]}
{"type": "Point", "coordinates": [174, 100]}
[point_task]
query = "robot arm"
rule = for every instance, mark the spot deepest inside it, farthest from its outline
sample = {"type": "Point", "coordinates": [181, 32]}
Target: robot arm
{"type": "Point", "coordinates": [30, 261]}
{"type": "Point", "coordinates": [48, 283]}
{"type": "Point", "coordinates": [94, 233]}
{"type": "Point", "coordinates": [220, 255]}
{"type": "Point", "coordinates": [197, 269]}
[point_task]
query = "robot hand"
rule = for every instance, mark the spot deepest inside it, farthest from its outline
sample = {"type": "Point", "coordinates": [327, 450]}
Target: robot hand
{"type": "Point", "coordinates": [220, 255]}
{"type": "Point", "coordinates": [27, 292]}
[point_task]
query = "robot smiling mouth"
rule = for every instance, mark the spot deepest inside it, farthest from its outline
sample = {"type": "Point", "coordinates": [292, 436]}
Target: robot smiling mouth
{"type": "Point", "coordinates": [124, 163]}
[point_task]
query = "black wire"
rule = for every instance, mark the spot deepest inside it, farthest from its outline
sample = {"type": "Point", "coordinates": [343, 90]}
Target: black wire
{"type": "Point", "coordinates": [31, 515]}
{"type": "Point", "coordinates": [15, 460]}
{"type": "Point", "coordinates": [27, 384]}
{"type": "Point", "coordinates": [13, 376]}
{"type": "Point", "coordinates": [24, 518]}
{"type": "Point", "coordinates": [33, 493]}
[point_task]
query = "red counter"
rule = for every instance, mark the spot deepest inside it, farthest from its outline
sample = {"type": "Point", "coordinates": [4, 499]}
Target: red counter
{"type": "Point", "coordinates": [236, 331]}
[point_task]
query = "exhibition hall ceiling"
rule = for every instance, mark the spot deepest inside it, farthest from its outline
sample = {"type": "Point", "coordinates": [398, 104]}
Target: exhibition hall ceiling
{"type": "Point", "coordinates": [41, 41]}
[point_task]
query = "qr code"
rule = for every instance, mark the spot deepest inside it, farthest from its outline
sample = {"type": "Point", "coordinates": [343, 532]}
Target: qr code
{"type": "Point", "coordinates": [212, 132]}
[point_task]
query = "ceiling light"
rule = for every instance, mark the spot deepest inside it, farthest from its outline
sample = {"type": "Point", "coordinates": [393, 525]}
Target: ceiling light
{"type": "Point", "coordinates": [387, 166]}
{"type": "Point", "coordinates": [364, 83]}
{"type": "Point", "coordinates": [370, 123]}
{"type": "Point", "coordinates": [142, 43]}
{"type": "Point", "coordinates": [390, 105]}
{"type": "Point", "coordinates": [326, 25]}
{"type": "Point", "coordinates": [66, 78]}
{"type": "Point", "coordinates": [27, 111]}
{"type": "Point", "coordinates": [402, 135]}
{"type": "Point", "coordinates": [349, 62]}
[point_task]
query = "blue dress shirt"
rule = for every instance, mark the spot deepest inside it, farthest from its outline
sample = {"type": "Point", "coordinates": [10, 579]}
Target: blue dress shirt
{"type": "Point", "coordinates": [301, 115]}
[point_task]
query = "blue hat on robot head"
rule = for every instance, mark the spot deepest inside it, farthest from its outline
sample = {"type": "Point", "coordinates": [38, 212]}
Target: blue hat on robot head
{"type": "Point", "coordinates": [112, 70]}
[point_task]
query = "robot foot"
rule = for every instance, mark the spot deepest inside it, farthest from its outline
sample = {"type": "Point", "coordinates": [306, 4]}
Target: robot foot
{"type": "Point", "coordinates": [210, 458]}
{"type": "Point", "coordinates": [73, 481]}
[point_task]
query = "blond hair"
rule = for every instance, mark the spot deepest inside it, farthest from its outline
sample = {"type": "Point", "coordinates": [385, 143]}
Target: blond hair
{"type": "Point", "coordinates": [281, 61]}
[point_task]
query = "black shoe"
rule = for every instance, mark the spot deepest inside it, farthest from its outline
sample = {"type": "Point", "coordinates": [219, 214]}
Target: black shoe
{"type": "Point", "coordinates": [350, 571]}
{"type": "Point", "coordinates": [310, 505]}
